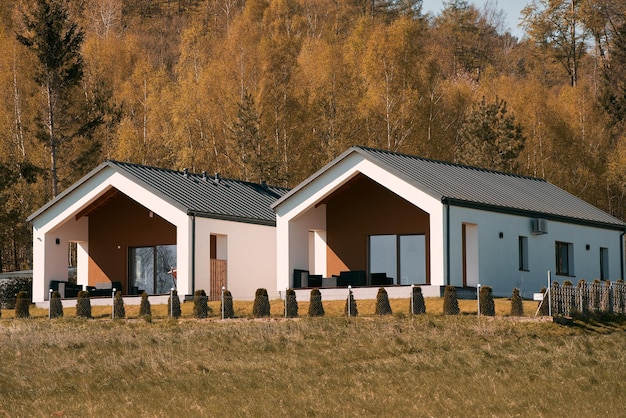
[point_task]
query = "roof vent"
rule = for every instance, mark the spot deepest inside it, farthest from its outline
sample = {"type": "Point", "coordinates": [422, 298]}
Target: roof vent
{"type": "Point", "coordinates": [186, 172]}
{"type": "Point", "coordinates": [204, 176]}
{"type": "Point", "coordinates": [264, 184]}
{"type": "Point", "coordinates": [216, 179]}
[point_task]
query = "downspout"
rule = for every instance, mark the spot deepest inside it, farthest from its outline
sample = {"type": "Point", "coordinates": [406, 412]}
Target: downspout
{"type": "Point", "coordinates": [193, 254]}
{"type": "Point", "coordinates": [621, 253]}
{"type": "Point", "coordinates": [445, 201]}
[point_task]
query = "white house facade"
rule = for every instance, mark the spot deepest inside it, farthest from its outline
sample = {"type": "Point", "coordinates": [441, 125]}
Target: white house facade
{"type": "Point", "coordinates": [148, 229]}
{"type": "Point", "coordinates": [373, 217]}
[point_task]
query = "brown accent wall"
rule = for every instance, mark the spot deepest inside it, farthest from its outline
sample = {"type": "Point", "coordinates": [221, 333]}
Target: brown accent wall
{"type": "Point", "coordinates": [362, 208]}
{"type": "Point", "coordinates": [114, 227]}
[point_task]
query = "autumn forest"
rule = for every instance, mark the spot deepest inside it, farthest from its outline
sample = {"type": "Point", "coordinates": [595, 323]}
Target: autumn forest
{"type": "Point", "coordinates": [274, 89]}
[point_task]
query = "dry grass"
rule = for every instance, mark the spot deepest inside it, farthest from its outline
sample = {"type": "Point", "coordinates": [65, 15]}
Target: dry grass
{"type": "Point", "coordinates": [400, 365]}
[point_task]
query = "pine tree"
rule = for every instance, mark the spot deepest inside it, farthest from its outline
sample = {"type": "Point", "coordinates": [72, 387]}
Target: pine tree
{"type": "Point", "coordinates": [382, 302]}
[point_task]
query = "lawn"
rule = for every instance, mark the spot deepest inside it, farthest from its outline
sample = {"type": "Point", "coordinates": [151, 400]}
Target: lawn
{"type": "Point", "coordinates": [399, 365]}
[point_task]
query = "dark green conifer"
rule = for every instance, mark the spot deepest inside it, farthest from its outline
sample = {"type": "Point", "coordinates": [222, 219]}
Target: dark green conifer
{"type": "Point", "coordinates": [56, 306]}
{"type": "Point", "coordinates": [119, 311]}
{"type": "Point", "coordinates": [83, 304]}
{"type": "Point", "coordinates": [419, 306]}
{"type": "Point", "coordinates": [382, 302]}
{"type": "Point", "coordinates": [450, 302]}
{"type": "Point", "coordinates": [261, 306]}
{"type": "Point", "coordinates": [173, 305]}
{"type": "Point", "coordinates": [201, 307]}
{"type": "Point", "coordinates": [354, 311]}
{"type": "Point", "coordinates": [316, 308]}
{"type": "Point", "coordinates": [291, 310]}
{"type": "Point", "coordinates": [517, 307]}
{"type": "Point", "coordinates": [227, 307]}
{"type": "Point", "coordinates": [144, 307]}
{"type": "Point", "coordinates": [487, 305]}
{"type": "Point", "coordinates": [22, 305]}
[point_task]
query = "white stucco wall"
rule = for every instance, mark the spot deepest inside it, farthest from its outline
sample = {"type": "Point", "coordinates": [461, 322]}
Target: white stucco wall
{"type": "Point", "coordinates": [499, 257]}
{"type": "Point", "coordinates": [250, 253]}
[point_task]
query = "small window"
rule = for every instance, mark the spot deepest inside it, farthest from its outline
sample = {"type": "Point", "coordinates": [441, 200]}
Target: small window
{"type": "Point", "coordinates": [523, 253]}
{"type": "Point", "coordinates": [604, 263]}
{"type": "Point", "coordinates": [564, 258]}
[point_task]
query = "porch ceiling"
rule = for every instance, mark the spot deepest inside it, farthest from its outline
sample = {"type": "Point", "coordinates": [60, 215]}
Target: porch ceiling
{"type": "Point", "coordinates": [98, 203]}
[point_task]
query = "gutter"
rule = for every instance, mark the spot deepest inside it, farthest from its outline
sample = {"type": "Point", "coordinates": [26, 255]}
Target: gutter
{"type": "Point", "coordinates": [193, 254]}
{"type": "Point", "coordinates": [621, 252]}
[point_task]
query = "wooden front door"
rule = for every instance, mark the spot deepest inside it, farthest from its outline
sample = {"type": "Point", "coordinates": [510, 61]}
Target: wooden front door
{"type": "Point", "coordinates": [218, 278]}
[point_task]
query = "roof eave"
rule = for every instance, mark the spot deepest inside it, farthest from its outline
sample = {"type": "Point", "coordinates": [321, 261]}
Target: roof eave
{"type": "Point", "coordinates": [618, 226]}
{"type": "Point", "coordinates": [232, 218]}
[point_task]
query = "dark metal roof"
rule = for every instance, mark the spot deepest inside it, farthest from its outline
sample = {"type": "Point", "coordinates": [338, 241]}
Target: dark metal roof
{"type": "Point", "coordinates": [475, 187]}
{"type": "Point", "coordinates": [208, 196]}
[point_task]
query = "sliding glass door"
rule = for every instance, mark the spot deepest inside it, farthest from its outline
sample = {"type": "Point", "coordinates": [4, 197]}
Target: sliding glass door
{"type": "Point", "coordinates": [400, 257]}
{"type": "Point", "coordinates": [150, 268]}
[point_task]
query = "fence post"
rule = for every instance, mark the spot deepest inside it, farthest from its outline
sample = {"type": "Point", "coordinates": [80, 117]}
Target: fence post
{"type": "Point", "coordinates": [223, 288]}
{"type": "Point", "coordinates": [49, 304]}
{"type": "Point", "coordinates": [113, 303]}
{"type": "Point", "coordinates": [478, 297]}
{"type": "Point", "coordinates": [549, 294]}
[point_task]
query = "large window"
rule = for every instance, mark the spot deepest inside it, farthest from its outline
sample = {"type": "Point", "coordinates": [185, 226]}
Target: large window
{"type": "Point", "coordinates": [151, 268]}
{"type": "Point", "coordinates": [400, 257]}
{"type": "Point", "coordinates": [564, 258]}
{"type": "Point", "coordinates": [523, 253]}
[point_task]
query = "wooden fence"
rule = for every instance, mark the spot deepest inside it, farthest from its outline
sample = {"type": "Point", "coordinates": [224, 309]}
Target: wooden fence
{"type": "Point", "coordinates": [595, 297]}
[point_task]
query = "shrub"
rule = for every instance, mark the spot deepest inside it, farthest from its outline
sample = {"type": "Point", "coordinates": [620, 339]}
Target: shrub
{"type": "Point", "coordinates": [291, 309]}
{"type": "Point", "coordinates": [173, 305]}
{"type": "Point", "coordinates": [261, 306]}
{"type": "Point", "coordinates": [118, 306]}
{"type": "Point", "coordinates": [145, 308]}
{"type": "Point", "coordinates": [227, 307]}
{"type": "Point", "coordinates": [56, 306]}
{"type": "Point", "coordinates": [354, 311]}
{"type": "Point", "coordinates": [382, 302]}
{"type": "Point", "coordinates": [419, 306]}
{"type": "Point", "coordinates": [83, 305]}
{"type": "Point", "coordinates": [450, 302]}
{"type": "Point", "coordinates": [316, 308]}
{"type": "Point", "coordinates": [200, 304]}
{"type": "Point", "coordinates": [487, 306]}
{"type": "Point", "coordinates": [22, 305]}
{"type": "Point", "coordinates": [517, 307]}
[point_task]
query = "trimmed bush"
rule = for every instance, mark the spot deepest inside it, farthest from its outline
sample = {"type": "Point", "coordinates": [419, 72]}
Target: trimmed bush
{"type": "Point", "coordinates": [200, 304]}
{"type": "Point", "coordinates": [173, 305]}
{"type": "Point", "coordinates": [316, 308]}
{"type": "Point", "coordinates": [291, 310]}
{"type": "Point", "coordinates": [487, 305]}
{"type": "Point", "coordinates": [56, 306]}
{"type": "Point", "coordinates": [227, 308]}
{"type": "Point", "coordinates": [261, 306]}
{"type": "Point", "coordinates": [450, 301]}
{"type": "Point", "coordinates": [83, 305]}
{"type": "Point", "coordinates": [118, 306]}
{"type": "Point", "coordinates": [517, 307]}
{"type": "Point", "coordinates": [22, 305]}
{"type": "Point", "coordinates": [419, 306]}
{"type": "Point", "coordinates": [382, 302]}
{"type": "Point", "coordinates": [354, 311]}
{"type": "Point", "coordinates": [144, 307]}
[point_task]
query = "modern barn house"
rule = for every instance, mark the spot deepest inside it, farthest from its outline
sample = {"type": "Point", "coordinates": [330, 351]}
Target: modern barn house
{"type": "Point", "coordinates": [369, 218]}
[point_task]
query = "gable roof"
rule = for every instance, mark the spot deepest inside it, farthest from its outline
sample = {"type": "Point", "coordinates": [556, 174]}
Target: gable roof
{"type": "Point", "coordinates": [195, 194]}
{"type": "Point", "coordinates": [468, 186]}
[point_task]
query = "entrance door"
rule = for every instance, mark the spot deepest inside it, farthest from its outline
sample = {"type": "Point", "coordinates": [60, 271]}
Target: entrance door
{"type": "Point", "coordinates": [219, 272]}
{"type": "Point", "coordinates": [151, 269]}
{"type": "Point", "coordinates": [470, 255]}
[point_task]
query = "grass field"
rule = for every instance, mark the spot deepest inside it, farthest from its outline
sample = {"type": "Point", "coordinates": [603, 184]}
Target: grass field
{"type": "Point", "coordinates": [400, 365]}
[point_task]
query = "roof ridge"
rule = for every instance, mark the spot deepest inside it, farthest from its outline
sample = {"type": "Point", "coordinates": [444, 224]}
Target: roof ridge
{"type": "Point", "coordinates": [182, 172]}
{"type": "Point", "coordinates": [465, 166]}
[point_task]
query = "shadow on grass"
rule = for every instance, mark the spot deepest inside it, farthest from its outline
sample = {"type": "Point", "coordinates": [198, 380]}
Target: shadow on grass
{"type": "Point", "coordinates": [602, 323]}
